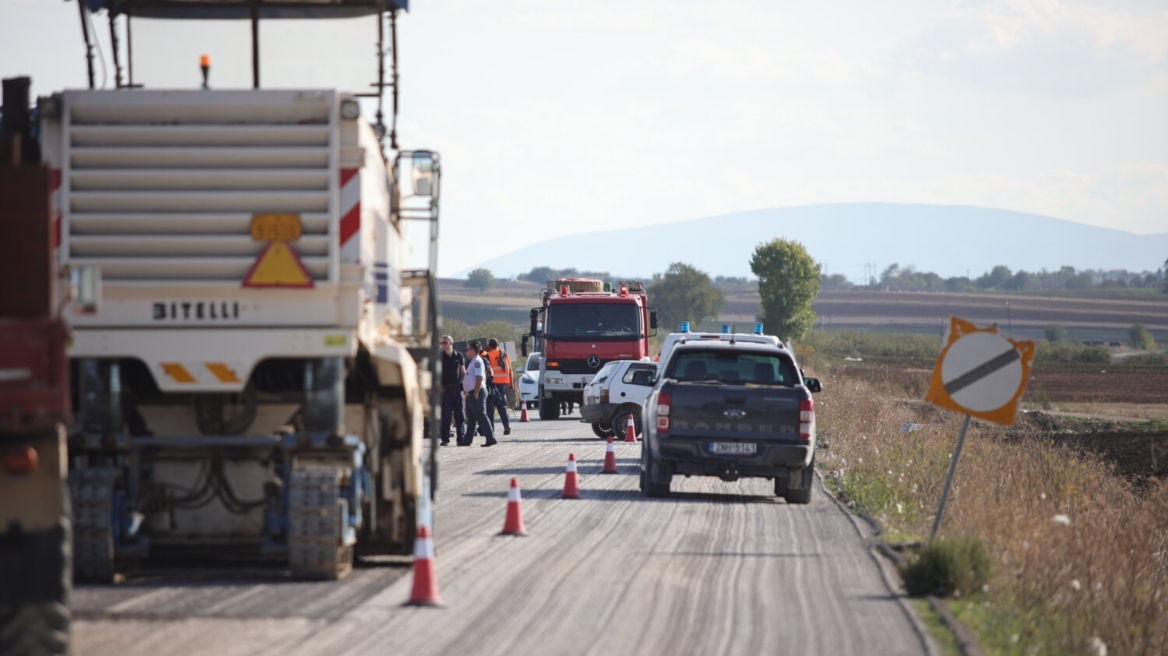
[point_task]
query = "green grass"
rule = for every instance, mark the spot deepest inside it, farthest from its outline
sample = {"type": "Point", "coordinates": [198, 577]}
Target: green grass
{"type": "Point", "coordinates": [936, 627]}
{"type": "Point", "coordinates": [1076, 550]}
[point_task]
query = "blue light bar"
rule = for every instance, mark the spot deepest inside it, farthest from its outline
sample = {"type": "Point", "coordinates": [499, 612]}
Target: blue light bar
{"type": "Point", "coordinates": [725, 329]}
{"type": "Point", "coordinates": [685, 326]}
{"type": "Point", "coordinates": [758, 329]}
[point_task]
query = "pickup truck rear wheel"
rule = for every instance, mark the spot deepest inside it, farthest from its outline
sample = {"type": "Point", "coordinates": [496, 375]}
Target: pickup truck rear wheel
{"type": "Point", "coordinates": [781, 486]}
{"type": "Point", "coordinates": [799, 484]}
{"type": "Point", "coordinates": [655, 475]}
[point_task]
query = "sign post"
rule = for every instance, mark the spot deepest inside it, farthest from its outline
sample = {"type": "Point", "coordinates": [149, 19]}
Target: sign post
{"type": "Point", "coordinates": [980, 374]}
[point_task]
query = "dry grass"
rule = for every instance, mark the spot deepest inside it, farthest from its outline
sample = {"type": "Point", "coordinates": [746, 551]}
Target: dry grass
{"type": "Point", "coordinates": [1078, 552]}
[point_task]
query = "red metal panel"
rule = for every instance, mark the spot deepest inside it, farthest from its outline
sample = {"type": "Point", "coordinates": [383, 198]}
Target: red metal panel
{"type": "Point", "coordinates": [34, 383]}
{"type": "Point", "coordinates": [25, 223]}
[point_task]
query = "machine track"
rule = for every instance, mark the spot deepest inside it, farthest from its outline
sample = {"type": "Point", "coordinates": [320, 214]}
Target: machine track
{"type": "Point", "coordinates": [316, 540]}
{"type": "Point", "coordinates": [92, 491]}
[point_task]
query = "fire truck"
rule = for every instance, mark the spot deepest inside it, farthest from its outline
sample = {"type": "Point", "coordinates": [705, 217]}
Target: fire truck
{"type": "Point", "coordinates": [257, 375]}
{"type": "Point", "coordinates": [35, 579]}
{"type": "Point", "coordinates": [581, 324]}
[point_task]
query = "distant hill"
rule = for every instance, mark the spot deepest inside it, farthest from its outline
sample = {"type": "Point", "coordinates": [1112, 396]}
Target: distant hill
{"type": "Point", "coordinates": [950, 240]}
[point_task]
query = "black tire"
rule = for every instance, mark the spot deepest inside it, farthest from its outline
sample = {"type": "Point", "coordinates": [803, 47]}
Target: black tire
{"type": "Point", "coordinates": [656, 477]}
{"type": "Point", "coordinates": [548, 408]}
{"type": "Point", "coordinates": [804, 477]}
{"type": "Point", "coordinates": [620, 421]}
{"type": "Point", "coordinates": [781, 487]}
{"type": "Point", "coordinates": [35, 629]}
{"type": "Point", "coordinates": [42, 629]}
{"type": "Point", "coordinates": [602, 431]}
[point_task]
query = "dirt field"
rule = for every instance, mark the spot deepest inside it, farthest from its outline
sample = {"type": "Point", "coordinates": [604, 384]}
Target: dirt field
{"type": "Point", "coordinates": [1120, 415]}
{"type": "Point", "coordinates": [1100, 387]}
{"type": "Point", "coordinates": [839, 309]}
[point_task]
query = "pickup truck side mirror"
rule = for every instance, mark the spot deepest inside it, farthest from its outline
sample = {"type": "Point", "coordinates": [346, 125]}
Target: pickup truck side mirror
{"type": "Point", "coordinates": [812, 385]}
{"type": "Point", "coordinates": [523, 345]}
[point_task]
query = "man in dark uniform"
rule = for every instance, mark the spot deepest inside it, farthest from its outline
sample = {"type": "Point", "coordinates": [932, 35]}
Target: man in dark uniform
{"type": "Point", "coordinates": [453, 370]}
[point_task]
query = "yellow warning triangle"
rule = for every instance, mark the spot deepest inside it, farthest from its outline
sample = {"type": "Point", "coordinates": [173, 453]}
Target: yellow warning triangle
{"type": "Point", "coordinates": [278, 265]}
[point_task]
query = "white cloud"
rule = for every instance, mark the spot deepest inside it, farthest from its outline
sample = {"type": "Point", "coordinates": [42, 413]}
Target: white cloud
{"type": "Point", "coordinates": [1057, 47]}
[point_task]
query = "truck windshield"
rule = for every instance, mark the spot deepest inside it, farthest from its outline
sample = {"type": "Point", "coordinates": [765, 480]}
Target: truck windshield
{"type": "Point", "coordinates": [733, 368]}
{"type": "Point", "coordinates": [589, 321]}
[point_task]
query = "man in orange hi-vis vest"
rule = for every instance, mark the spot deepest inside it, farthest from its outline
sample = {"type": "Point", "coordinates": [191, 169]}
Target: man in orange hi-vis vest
{"type": "Point", "coordinates": [501, 377]}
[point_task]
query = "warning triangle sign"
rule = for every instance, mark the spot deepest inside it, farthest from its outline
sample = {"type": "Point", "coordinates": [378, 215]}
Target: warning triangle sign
{"type": "Point", "coordinates": [278, 265]}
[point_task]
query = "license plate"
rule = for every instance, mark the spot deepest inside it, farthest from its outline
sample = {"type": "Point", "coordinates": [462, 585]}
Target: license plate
{"type": "Point", "coordinates": [733, 447]}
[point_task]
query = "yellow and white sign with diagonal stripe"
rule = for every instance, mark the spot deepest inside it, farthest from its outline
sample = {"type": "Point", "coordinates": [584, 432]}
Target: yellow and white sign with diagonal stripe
{"type": "Point", "coordinates": [202, 375]}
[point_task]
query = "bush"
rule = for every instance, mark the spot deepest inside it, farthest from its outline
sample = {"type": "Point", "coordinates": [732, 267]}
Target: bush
{"type": "Point", "coordinates": [1094, 355]}
{"type": "Point", "coordinates": [1055, 332]}
{"type": "Point", "coordinates": [1140, 338]}
{"type": "Point", "coordinates": [858, 343]}
{"type": "Point", "coordinates": [948, 566]}
{"type": "Point", "coordinates": [1070, 351]}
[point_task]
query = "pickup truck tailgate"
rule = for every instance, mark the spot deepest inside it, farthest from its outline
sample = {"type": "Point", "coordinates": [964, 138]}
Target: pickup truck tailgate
{"type": "Point", "coordinates": [729, 411]}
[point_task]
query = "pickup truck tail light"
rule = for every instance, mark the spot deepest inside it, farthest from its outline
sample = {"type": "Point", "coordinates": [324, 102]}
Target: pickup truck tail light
{"type": "Point", "coordinates": [604, 396]}
{"type": "Point", "coordinates": [663, 401]}
{"type": "Point", "coordinates": [806, 418]}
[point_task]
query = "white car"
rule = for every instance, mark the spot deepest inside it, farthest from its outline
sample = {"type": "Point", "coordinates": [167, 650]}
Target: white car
{"type": "Point", "coordinates": [529, 381]}
{"type": "Point", "coordinates": [617, 393]}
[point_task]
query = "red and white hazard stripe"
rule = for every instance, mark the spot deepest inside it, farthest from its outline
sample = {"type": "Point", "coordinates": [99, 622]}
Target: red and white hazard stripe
{"type": "Point", "coordinates": [349, 236]}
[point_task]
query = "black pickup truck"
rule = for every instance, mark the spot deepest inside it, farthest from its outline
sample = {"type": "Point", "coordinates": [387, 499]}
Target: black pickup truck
{"type": "Point", "coordinates": [730, 410]}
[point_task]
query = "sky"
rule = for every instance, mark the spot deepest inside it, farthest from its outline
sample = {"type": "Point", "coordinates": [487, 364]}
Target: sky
{"type": "Point", "coordinates": [556, 117]}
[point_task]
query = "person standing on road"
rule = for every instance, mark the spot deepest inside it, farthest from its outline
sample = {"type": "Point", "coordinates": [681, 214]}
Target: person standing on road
{"type": "Point", "coordinates": [501, 377]}
{"type": "Point", "coordinates": [474, 384]}
{"type": "Point", "coordinates": [453, 371]}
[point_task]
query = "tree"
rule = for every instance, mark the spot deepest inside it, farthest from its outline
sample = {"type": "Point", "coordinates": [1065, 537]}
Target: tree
{"type": "Point", "coordinates": [684, 293]}
{"type": "Point", "coordinates": [1055, 332]}
{"type": "Point", "coordinates": [480, 279]}
{"type": "Point", "coordinates": [788, 281]}
{"type": "Point", "coordinates": [996, 278]}
{"type": "Point", "coordinates": [1140, 338]}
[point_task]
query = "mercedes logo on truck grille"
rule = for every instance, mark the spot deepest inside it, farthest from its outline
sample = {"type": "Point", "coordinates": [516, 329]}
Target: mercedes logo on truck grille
{"type": "Point", "coordinates": [734, 414]}
{"type": "Point", "coordinates": [594, 361]}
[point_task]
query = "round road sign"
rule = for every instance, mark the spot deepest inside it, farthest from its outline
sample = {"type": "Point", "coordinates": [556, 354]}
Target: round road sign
{"type": "Point", "coordinates": [981, 373]}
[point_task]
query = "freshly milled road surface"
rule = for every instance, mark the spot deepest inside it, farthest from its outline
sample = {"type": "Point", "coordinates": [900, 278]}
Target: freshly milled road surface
{"type": "Point", "coordinates": [718, 568]}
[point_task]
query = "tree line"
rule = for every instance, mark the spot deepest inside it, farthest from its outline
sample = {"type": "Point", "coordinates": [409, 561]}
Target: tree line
{"type": "Point", "coordinates": [787, 280]}
{"type": "Point", "coordinates": [1001, 278]}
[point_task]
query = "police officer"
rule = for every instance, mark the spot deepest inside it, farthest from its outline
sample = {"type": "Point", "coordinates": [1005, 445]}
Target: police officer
{"type": "Point", "coordinates": [500, 364]}
{"type": "Point", "coordinates": [474, 384]}
{"type": "Point", "coordinates": [453, 371]}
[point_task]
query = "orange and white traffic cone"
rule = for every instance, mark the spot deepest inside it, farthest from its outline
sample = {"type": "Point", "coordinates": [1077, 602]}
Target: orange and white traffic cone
{"type": "Point", "coordinates": [425, 591]}
{"type": "Point", "coordinates": [523, 415]}
{"type": "Point", "coordinates": [630, 431]}
{"type": "Point", "coordinates": [609, 458]}
{"type": "Point", "coordinates": [513, 525]}
{"type": "Point", "coordinates": [571, 482]}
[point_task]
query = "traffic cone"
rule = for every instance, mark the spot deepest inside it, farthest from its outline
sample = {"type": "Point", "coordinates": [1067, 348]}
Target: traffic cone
{"type": "Point", "coordinates": [609, 459]}
{"type": "Point", "coordinates": [513, 525]}
{"type": "Point", "coordinates": [425, 591]}
{"type": "Point", "coordinates": [630, 431]}
{"type": "Point", "coordinates": [571, 484]}
{"type": "Point", "coordinates": [523, 415]}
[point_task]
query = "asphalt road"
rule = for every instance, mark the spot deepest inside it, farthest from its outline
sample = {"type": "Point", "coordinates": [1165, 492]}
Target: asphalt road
{"type": "Point", "coordinates": [719, 568]}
